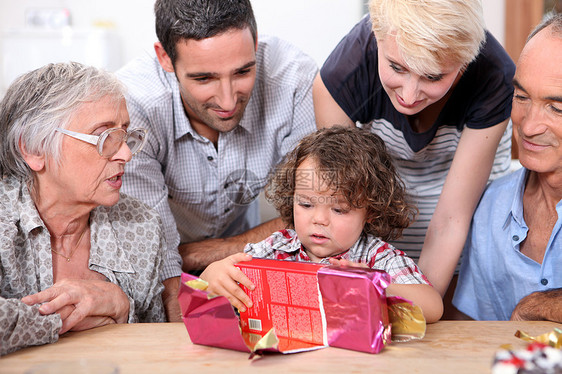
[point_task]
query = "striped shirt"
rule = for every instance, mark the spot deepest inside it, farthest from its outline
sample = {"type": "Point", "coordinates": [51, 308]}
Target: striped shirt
{"type": "Point", "coordinates": [481, 99]}
{"type": "Point", "coordinates": [201, 191]}
{"type": "Point", "coordinates": [368, 249]}
{"type": "Point", "coordinates": [424, 173]}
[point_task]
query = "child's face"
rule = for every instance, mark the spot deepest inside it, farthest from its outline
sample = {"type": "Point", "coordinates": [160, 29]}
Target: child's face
{"type": "Point", "coordinates": [325, 224]}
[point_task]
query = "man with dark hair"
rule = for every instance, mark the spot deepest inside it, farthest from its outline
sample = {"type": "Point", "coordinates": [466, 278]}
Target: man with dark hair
{"type": "Point", "coordinates": [222, 107]}
{"type": "Point", "coordinates": [511, 262]}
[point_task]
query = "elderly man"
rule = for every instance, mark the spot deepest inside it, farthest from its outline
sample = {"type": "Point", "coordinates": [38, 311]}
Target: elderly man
{"type": "Point", "coordinates": [511, 264]}
{"type": "Point", "coordinates": [222, 109]}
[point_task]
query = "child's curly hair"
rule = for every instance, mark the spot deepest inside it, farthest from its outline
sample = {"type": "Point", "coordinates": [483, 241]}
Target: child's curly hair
{"type": "Point", "coordinates": [354, 163]}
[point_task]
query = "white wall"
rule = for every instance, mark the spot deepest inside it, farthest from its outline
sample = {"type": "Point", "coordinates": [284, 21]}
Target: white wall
{"type": "Point", "coordinates": [132, 20]}
{"type": "Point", "coordinates": [316, 26]}
{"type": "Point", "coordinates": [494, 16]}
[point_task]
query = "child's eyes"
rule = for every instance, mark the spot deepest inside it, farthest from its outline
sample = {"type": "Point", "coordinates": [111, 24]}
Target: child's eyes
{"type": "Point", "coordinates": [341, 211]}
{"type": "Point", "coordinates": [305, 205]}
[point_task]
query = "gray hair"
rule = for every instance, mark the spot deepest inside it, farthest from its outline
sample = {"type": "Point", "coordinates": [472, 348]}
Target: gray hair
{"type": "Point", "coordinates": [554, 19]}
{"type": "Point", "coordinates": [38, 102]}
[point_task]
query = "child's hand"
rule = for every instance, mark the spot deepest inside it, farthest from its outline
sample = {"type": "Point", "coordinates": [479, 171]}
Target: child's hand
{"type": "Point", "coordinates": [223, 276]}
{"type": "Point", "coordinates": [422, 295]}
{"type": "Point", "coordinates": [344, 262]}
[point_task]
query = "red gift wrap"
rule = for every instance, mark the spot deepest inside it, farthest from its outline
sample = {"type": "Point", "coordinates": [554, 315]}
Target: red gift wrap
{"type": "Point", "coordinates": [285, 298]}
{"type": "Point", "coordinates": [299, 306]}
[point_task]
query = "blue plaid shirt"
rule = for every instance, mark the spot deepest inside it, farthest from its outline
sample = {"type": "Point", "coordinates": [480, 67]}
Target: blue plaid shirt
{"type": "Point", "coordinates": [201, 191]}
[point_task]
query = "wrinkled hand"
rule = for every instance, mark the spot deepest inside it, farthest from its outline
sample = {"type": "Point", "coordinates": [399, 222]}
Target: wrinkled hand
{"type": "Point", "coordinates": [223, 278]}
{"type": "Point", "coordinates": [343, 262]}
{"type": "Point", "coordinates": [87, 323]}
{"type": "Point", "coordinates": [82, 304]}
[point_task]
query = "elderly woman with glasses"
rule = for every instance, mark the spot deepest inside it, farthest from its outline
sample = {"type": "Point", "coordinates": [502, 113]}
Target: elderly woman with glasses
{"type": "Point", "coordinates": [74, 253]}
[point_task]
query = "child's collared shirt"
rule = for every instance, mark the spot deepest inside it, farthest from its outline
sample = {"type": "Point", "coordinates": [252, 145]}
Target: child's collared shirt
{"type": "Point", "coordinates": [368, 249]}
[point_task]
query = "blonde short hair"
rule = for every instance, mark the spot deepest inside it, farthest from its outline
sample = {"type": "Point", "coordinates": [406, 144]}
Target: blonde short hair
{"type": "Point", "coordinates": [431, 33]}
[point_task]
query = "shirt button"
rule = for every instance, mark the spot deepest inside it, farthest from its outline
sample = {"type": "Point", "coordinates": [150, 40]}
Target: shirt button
{"type": "Point", "coordinates": [544, 281]}
{"type": "Point", "coordinates": [210, 158]}
{"type": "Point", "coordinates": [227, 210]}
{"type": "Point", "coordinates": [515, 238]}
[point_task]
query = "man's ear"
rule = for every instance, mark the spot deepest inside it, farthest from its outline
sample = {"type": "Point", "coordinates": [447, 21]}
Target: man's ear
{"type": "Point", "coordinates": [35, 162]}
{"type": "Point", "coordinates": [163, 58]}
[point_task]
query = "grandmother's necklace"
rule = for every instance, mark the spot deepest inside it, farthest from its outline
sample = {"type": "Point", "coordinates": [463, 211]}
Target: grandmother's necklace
{"type": "Point", "coordinates": [75, 247]}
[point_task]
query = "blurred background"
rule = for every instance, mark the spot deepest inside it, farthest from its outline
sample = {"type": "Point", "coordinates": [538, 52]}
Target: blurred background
{"type": "Point", "coordinates": [109, 33]}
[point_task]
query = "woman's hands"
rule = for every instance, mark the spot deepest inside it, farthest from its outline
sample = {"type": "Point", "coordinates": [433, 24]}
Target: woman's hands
{"type": "Point", "coordinates": [83, 304]}
{"type": "Point", "coordinates": [223, 278]}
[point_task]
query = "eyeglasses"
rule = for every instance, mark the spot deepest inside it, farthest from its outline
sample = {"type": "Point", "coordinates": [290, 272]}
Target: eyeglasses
{"type": "Point", "coordinates": [109, 141]}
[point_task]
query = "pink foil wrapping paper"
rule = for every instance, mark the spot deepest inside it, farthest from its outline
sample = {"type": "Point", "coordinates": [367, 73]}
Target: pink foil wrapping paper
{"type": "Point", "coordinates": [209, 321]}
{"type": "Point", "coordinates": [355, 307]}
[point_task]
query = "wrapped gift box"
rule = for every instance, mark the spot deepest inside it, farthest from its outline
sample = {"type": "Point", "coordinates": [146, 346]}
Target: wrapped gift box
{"type": "Point", "coordinates": [300, 306]}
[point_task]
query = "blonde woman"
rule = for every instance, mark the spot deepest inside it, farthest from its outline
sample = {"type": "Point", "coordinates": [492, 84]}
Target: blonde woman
{"type": "Point", "coordinates": [436, 86]}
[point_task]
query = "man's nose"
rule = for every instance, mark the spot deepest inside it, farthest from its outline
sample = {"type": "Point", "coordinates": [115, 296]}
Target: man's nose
{"type": "Point", "coordinates": [533, 121]}
{"type": "Point", "coordinates": [226, 97]}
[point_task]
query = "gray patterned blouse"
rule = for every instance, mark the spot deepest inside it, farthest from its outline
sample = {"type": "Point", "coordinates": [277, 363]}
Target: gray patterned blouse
{"type": "Point", "coordinates": [127, 244]}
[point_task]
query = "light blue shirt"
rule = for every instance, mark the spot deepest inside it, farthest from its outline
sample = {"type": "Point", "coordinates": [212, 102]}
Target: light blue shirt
{"type": "Point", "coordinates": [494, 274]}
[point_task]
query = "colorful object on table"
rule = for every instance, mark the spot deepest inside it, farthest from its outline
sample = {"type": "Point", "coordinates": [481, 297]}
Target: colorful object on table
{"type": "Point", "coordinates": [285, 299]}
{"type": "Point", "coordinates": [360, 316]}
{"type": "Point", "coordinates": [354, 301]}
{"type": "Point", "coordinates": [407, 320]}
{"type": "Point", "coordinates": [537, 358]}
{"type": "Point", "coordinates": [301, 306]}
{"type": "Point", "coordinates": [553, 338]}
{"type": "Point", "coordinates": [209, 320]}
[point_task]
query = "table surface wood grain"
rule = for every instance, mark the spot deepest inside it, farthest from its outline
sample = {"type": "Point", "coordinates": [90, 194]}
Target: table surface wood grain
{"type": "Point", "coordinates": [451, 347]}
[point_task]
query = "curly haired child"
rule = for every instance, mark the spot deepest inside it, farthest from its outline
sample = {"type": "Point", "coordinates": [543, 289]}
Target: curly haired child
{"type": "Point", "coordinates": [340, 195]}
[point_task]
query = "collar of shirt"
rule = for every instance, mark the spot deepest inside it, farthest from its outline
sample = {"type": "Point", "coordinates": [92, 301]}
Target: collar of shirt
{"type": "Point", "coordinates": [291, 245]}
{"type": "Point", "coordinates": [303, 256]}
{"type": "Point", "coordinates": [109, 256]}
{"type": "Point", "coordinates": [515, 210]}
{"type": "Point", "coordinates": [28, 214]}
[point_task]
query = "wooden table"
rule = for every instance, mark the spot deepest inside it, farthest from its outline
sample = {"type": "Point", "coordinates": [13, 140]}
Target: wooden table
{"type": "Point", "coordinates": [448, 347]}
